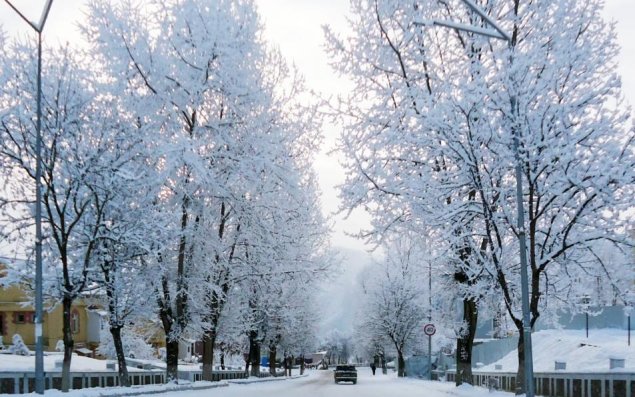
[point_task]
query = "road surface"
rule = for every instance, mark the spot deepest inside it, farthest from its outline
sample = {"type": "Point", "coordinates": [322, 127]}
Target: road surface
{"type": "Point", "coordinates": [321, 384]}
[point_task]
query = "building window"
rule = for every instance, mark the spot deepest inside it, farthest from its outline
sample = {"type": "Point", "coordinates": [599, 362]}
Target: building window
{"type": "Point", "coordinates": [23, 317]}
{"type": "Point", "coordinates": [75, 322]}
{"type": "Point", "coordinates": [1, 324]}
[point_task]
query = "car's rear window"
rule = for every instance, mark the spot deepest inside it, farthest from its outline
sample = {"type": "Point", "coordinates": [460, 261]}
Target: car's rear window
{"type": "Point", "coordinates": [345, 368]}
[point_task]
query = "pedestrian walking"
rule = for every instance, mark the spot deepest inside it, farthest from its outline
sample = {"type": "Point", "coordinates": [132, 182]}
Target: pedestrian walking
{"type": "Point", "coordinates": [373, 367]}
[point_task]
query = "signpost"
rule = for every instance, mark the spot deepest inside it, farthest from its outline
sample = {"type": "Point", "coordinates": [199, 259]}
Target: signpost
{"type": "Point", "coordinates": [429, 329]}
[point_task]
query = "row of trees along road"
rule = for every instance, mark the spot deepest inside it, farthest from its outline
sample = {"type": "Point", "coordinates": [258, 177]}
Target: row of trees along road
{"type": "Point", "coordinates": [177, 176]}
{"type": "Point", "coordinates": [428, 141]}
{"type": "Point", "coordinates": [394, 307]}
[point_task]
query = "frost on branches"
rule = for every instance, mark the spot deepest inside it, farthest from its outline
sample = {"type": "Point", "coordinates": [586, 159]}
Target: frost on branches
{"type": "Point", "coordinates": [393, 309]}
{"type": "Point", "coordinates": [134, 345]}
{"type": "Point", "coordinates": [428, 137]}
{"type": "Point", "coordinates": [177, 155]}
{"type": "Point", "coordinates": [230, 147]}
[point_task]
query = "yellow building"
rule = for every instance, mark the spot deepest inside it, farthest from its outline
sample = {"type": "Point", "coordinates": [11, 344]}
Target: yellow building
{"type": "Point", "coordinates": [17, 316]}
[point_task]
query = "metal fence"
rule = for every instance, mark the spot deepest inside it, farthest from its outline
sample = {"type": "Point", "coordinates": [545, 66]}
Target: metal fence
{"type": "Point", "coordinates": [197, 375]}
{"type": "Point", "coordinates": [563, 384]}
{"type": "Point", "coordinates": [24, 382]}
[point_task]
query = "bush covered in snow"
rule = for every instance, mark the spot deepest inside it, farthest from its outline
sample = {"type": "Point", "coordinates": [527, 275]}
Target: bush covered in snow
{"type": "Point", "coordinates": [59, 346]}
{"type": "Point", "coordinates": [19, 347]}
{"type": "Point", "coordinates": [134, 346]}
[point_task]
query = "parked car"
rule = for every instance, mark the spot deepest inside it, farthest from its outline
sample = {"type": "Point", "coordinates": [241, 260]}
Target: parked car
{"type": "Point", "coordinates": [345, 373]}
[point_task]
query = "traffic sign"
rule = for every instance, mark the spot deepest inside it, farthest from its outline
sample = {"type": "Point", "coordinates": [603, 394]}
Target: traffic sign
{"type": "Point", "coordinates": [429, 329]}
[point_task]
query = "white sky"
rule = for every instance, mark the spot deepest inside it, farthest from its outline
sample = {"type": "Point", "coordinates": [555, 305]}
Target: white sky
{"type": "Point", "coordinates": [295, 26]}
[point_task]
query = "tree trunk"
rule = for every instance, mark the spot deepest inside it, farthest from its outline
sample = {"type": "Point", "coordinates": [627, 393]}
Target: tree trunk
{"type": "Point", "coordinates": [302, 365]}
{"type": "Point", "coordinates": [124, 380]}
{"type": "Point", "coordinates": [291, 359]}
{"type": "Point", "coordinates": [520, 375]}
{"type": "Point", "coordinates": [272, 360]}
{"type": "Point", "coordinates": [172, 360]}
{"type": "Point", "coordinates": [181, 284]}
{"type": "Point", "coordinates": [465, 343]}
{"type": "Point", "coordinates": [209, 338]}
{"type": "Point", "coordinates": [171, 341]}
{"type": "Point", "coordinates": [115, 325]}
{"type": "Point", "coordinates": [67, 331]}
{"type": "Point", "coordinates": [401, 364]}
{"type": "Point", "coordinates": [254, 353]}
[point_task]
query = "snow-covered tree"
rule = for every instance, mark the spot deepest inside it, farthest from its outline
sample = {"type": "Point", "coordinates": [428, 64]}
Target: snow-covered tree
{"type": "Point", "coordinates": [74, 128]}
{"type": "Point", "coordinates": [134, 345]}
{"type": "Point", "coordinates": [394, 306]}
{"type": "Point", "coordinates": [430, 129]}
{"type": "Point", "coordinates": [191, 86]}
{"type": "Point", "coordinates": [230, 143]}
{"type": "Point", "coordinates": [335, 344]}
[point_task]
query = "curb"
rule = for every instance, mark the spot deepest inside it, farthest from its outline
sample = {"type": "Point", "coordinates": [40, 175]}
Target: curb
{"type": "Point", "coordinates": [260, 380]}
{"type": "Point", "coordinates": [113, 392]}
{"type": "Point", "coordinates": [159, 389]}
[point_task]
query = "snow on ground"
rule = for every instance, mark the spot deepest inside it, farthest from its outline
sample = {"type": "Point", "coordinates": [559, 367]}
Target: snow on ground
{"type": "Point", "coordinates": [126, 391]}
{"type": "Point", "coordinates": [321, 384]}
{"type": "Point", "coordinates": [581, 355]}
{"type": "Point", "coordinates": [573, 347]}
{"type": "Point", "coordinates": [316, 384]}
{"type": "Point", "coordinates": [14, 363]}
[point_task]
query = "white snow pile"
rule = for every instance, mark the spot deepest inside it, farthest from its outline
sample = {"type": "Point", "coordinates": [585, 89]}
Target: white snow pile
{"type": "Point", "coordinates": [197, 388]}
{"type": "Point", "coordinates": [15, 363]}
{"type": "Point", "coordinates": [134, 345]}
{"type": "Point", "coordinates": [579, 353]}
{"type": "Point", "coordinates": [18, 346]}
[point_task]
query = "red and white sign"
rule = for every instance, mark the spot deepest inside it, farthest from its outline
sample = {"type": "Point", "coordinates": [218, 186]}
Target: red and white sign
{"type": "Point", "coordinates": [429, 329]}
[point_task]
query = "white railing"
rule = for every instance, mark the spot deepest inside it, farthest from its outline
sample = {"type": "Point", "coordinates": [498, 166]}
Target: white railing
{"type": "Point", "coordinates": [24, 382]}
{"type": "Point", "coordinates": [562, 384]}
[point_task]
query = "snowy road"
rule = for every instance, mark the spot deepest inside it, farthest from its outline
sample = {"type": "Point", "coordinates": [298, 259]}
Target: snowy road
{"type": "Point", "coordinates": [320, 384]}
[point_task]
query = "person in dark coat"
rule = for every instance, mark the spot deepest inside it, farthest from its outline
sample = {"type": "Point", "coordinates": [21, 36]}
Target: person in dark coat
{"type": "Point", "coordinates": [373, 367]}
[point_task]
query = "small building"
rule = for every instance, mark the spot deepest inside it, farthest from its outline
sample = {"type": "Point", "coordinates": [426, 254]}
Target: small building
{"type": "Point", "coordinates": [97, 326]}
{"type": "Point", "coordinates": [317, 358]}
{"type": "Point", "coordinates": [17, 316]}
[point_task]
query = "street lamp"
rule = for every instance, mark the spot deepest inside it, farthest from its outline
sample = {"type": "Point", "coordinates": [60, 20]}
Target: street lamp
{"type": "Point", "coordinates": [498, 33]}
{"type": "Point", "coordinates": [39, 348]}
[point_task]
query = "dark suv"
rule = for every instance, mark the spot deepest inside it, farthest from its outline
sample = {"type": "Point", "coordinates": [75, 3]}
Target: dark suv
{"type": "Point", "coordinates": [345, 373]}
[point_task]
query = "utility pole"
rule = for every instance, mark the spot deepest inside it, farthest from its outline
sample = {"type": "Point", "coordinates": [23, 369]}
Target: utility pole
{"type": "Point", "coordinates": [39, 345]}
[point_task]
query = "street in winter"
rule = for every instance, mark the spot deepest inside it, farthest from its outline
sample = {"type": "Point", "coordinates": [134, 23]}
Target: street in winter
{"type": "Point", "coordinates": [317, 197]}
{"type": "Point", "coordinates": [320, 384]}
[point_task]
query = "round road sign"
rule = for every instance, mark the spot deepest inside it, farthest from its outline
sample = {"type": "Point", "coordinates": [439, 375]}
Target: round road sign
{"type": "Point", "coordinates": [429, 329]}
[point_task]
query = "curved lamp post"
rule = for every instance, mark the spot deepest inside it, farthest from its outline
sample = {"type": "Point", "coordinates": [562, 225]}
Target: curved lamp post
{"type": "Point", "coordinates": [39, 346]}
{"type": "Point", "coordinates": [498, 33]}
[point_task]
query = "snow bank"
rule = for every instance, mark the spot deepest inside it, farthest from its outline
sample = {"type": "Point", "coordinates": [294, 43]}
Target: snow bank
{"type": "Point", "coordinates": [13, 363]}
{"type": "Point", "coordinates": [573, 347]}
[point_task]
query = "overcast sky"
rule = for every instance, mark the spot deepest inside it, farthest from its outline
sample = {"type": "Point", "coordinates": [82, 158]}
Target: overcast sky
{"type": "Point", "coordinates": [295, 26]}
